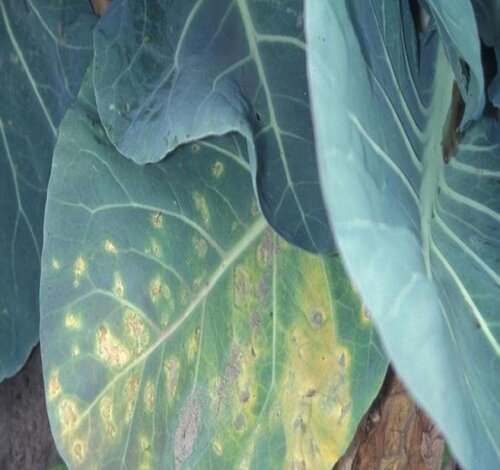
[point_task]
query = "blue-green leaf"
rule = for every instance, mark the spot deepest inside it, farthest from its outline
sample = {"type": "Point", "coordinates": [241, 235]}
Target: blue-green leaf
{"type": "Point", "coordinates": [488, 20]}
{"type": "Point", "coordinates": [170, 72]}
{"type": "Point", "coordinates": [457, 27]}
{"type": "Point", "coordinates": [45, 48]}
{"type": "Point", "coordinates": [420, 238]}
{"type": "Point", "coordinates": [177, 329]}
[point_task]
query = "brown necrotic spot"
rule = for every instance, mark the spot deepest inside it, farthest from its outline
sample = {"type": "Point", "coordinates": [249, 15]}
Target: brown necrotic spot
{"type": "Point", "coordinates": [316, 318]}
{"type": "Point", "coordinates": [193, 344]}
{"type": "Point", "coordinates": [171, 370]}
{"type": "Point", "coordinates": [239, 422]}
{"type": "Point", "coordinates": [118, 287]}
{"type": "Point", "coordinates": [262, 290]}
{"type": "Point", "coordinates": [75, 350]}
{"type": "Point", "coordinates": [156, 248]}
{"type": "Point", "coordinates": [131, 389]}
{"type": "Point", "coordinates": [197, 283]}
{"type": "Point", "coordinates": [54, 387]}
{"type": "Point", "coordinates": [232, 371]}
{"type": "Point", "coordinates": [218, 169]}
{"type": "Point", "coordinates": [67, 413]}
{"type": "Point", "coordinates": [110, 247]}
{"type": "Point", "coordinates": [155, 288]}
{"type": "Point", "coordinates": [255, 321]}
{"type": "Point", "coordinates": [265, 249]}
{"type": "Point", "coordinates": [187, 429]}
{"type": "Point", "coordinates": [157, 220]}
{"type": "Point", "coordinates": [78, 451]}
{"type": "Point", "coordinates": [241, 285]}
{"type": "Point", "coordinates": [365, 315]}
{"type": "Point", "coordinates": [136, 331]}
{"type": "Point", "coordinates": [72, 321]}
{"type": "Point", "coordinates": [106, 412]}
{"type": "Point", "coordinates": [79, 268]}
{"type": "Point", "coordinates": [200, 246]}
{"type": "Point", "coordinates": [109, 348]}
{"type": "Point", "coordinates": [149, 396]}
{"type": "Point", "coordinates": [201, 206]}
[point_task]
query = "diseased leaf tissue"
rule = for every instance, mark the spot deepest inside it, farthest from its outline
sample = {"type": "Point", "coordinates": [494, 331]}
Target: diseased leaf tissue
{"type": "Point", "coordinates": [182, 324]}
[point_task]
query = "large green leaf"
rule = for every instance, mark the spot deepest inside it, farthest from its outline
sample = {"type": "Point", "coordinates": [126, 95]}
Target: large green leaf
{"type": "Point", "coordinates": [45, 49]}
{"type": "Point", "coordinates": [177, 329]}
{"type": "Point", "coordinates": [171, 72]}
{"type": "Point", "coordinates": [420, 238]}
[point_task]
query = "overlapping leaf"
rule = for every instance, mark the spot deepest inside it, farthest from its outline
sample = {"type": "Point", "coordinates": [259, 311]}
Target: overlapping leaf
{"type": "Point", "coordinates": [45, 48]}
{"type": "Point", "coordinates": [168, 72]}
{"type": "Point", "coordinates": [420, 238]}
{"type": "Point", "coordinates": [487, 15]}
{"type": "Point", "coordinates": [457, 27]}
{"type": "Point", "coordinates": [177, 329]}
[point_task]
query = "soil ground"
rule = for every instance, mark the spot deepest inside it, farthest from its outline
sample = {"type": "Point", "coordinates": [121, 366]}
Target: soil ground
{"type": "Point", "coordinates": [25, 439]}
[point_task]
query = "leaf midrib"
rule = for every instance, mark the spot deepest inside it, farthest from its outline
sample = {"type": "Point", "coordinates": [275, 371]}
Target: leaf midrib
{"type": "Point", "coordinates": [252, 234]}
{"type": "Point", "coordinates": [432, 161]}
{"type": "Point", "coordinates": [251, 35]}
{"type": "Point", "coordinates": [27, 70]}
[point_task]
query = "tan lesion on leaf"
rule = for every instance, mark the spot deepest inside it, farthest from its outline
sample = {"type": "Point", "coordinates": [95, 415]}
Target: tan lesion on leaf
{"type": "Point", "coordinates": [155, 289]}
{"type": "Point", "coordinates": [157, 220]}
{"type": "Point", "coordinates": [193, 344]}
{"type": "Point", "coordinates": [72, 321]}
{"type": "Point", "coordinates": [78, 451]}
{"type": "Point", "coordinates": [265, 249]}
{"type": "Point", "coordinates": [136, 330]}
{"type": "Point", "coordinates": [365, 315]}
{"type": "Point", "coordinates": [56, 264]}
{"type": "Point", "coordinates": [149, 396]}
{"type": "Point", "coordinates": [171, 371]}
{"type": "Point", "coordinates": [201, 206]}
{"type": "Point", "coordinates": [109, 349]}
{"type": "Point", "coordinates": [67, 413]}
{"type": "Point", "coordinates": [79, 269]}
{"type": "Point", "coordinates": [217, 169]}
{"type": "Point", "coordinates": [241, 283]}
{"type": "Point", "coordinates": [131, 389]}
{"type": "Point", "coordinates": [196, 147]}
{"type": "Point", "coordinates": [200, 246]}
{"type": "Point", "coordinates": [107, 420]}
{"type": "Point", "coordinates": [146, 453]}
{"type": "Point", "coordinates": [54, 388]}
{"type": "Point", "coordinates": [75, 350]}
{"type": "Point", "coordinates": [118, 286]}
{"type": "Point", "coordinates": [156, 248]}
{"type": "Point", "coordinates": [228, 381]}
{"type": "Point", "coordinates": [110, 247]}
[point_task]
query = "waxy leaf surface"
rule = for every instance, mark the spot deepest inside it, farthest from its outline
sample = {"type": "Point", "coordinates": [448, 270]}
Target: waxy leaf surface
{"type": "Point", "coordinates": [171, 72]}
{"type": "Point", "coordinates": [178, 330]}
{"type": "Point", "coordinates": [457, 27]}
{"type": "Point", "coordinates": [488, 20]}
{"type": "Point", "coordinates": [419, 237]}
{"type": "Point", "coordinates": [45, 47]}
